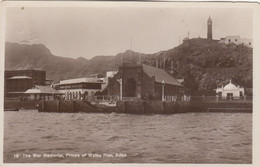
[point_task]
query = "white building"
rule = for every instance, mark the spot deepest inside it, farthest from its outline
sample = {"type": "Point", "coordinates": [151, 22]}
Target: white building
{"type": "Point", "coordinates": [230, 91]}
{"type": "Point", "coordinates": [109, 74]}
{"type": "Point", "coordinates": [79, 88]}
{"type": "Point", "coordinates": [237, 40]}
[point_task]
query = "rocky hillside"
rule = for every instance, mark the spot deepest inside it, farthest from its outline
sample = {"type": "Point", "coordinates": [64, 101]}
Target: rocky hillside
{"type": "Point", "coordinates": [207, 64]}
{"type": "Point", "coordinates": [204, 64]}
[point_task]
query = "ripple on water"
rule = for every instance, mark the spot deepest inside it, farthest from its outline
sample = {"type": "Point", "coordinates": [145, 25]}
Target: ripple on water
{"type": "Point", "coordinates": [178, 138]}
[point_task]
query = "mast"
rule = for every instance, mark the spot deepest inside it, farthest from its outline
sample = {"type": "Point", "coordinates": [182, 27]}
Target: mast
{"type": "Point", "coordinates": [164, 60]}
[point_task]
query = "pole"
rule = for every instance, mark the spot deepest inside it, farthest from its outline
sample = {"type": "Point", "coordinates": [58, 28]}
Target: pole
{"type": "Point", "coordinates": [163, 84]}
{"type": "Point", "coordinates": [139, 58]}
{"type": "Point", "coordinates": [164, 61]}
{"type": "Point", "coordinates": [131, 50]}
{"type": "Point", "coordinates": [121, 88]}
{"type": "Point", "coordinates": [121, 57]}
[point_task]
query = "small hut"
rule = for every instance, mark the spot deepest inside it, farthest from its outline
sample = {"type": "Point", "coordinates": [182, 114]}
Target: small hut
{"type": "Point", "coordinates": [230, 91]}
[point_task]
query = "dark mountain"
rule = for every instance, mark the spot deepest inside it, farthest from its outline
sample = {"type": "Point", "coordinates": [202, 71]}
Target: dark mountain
{"type": "Point", "coordinates": [205, 64]}
{"type": "Point", "coordinates": [208, 64]}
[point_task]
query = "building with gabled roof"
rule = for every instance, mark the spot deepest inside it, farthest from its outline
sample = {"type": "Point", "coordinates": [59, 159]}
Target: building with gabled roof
{"type": "Point", "coordinates": [39, 92]}
{"type": "Point", "coordinates": [141, 81]}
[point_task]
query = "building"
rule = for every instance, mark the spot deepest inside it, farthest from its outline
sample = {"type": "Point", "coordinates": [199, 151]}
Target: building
{"type": "Point", "coordinates": [18, 81]}
{"type": "Point", "coordinates": [42, 93]}
{"type": "Point", "coordinates": [209, 28]}
{"type": "Point", "coordinates": [236, 40]}
{"type": "Point", "coordinates": [230, 91]}
{"type": "Point", "coordinates": [79, 88]}
{"type": "Point", "coordinates": [109, 74]}
{"type": "Point", "coordinates": [140, 81]}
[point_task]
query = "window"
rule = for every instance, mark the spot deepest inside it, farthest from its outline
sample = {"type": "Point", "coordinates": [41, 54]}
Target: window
{"type": "Point", "coordinates": [236, 40]}
{"type": "Point", "coordinates": [229, 40]}
{"type": "Point", "coordinates": [249, 43]}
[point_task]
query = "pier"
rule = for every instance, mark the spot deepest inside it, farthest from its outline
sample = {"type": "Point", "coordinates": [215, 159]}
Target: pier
{"type": "Point", "coordinates": [144, 107]}
{"type": "Point", "coordinates": [133, 106]}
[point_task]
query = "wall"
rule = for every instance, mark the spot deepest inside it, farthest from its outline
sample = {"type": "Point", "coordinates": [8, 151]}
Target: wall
{"type": "Point", "coordinates": [145, 107]}
{"type": "Point", "coordinates": [148, 87]}
{"type": "Point", "coordinates": [10, 104]}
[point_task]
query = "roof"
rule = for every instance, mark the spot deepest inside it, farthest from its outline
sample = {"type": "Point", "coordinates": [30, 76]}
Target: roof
{"type": "Point", "coordinates": [81, 80]}
{"type": "Point", "coordinates": [18, 92]}
{"type": "Point", "coordinates": [42, 90]}
{"type": "Point", "coordinates": [160, 75]}
{"type": "Point", "coordinates": [230, 86]}
{"type": "Point", "coordinates": [20, 77]}
{"type": "Point", "coordinates": [14, 71]}
{"type": "Point", "coordinates": [233, 36]}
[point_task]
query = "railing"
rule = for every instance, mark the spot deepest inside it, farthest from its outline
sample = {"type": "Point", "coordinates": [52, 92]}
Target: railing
{"type": "Point", "coordinates": [221, 99]}
{"type": "Point", "coordinates": [184, 98]}
{"type": "Point", "coordinates": [12, 98]}
{"type": "Point", "coordinates": [106, 98]}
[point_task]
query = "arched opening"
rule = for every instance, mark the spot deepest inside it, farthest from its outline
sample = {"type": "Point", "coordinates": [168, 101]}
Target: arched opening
{"type": "Point", "coordinates": [85, 95]}
{"type": "Point", "coordinates": [70, 95]}
{"type": "Point", "coordinates": [76, 95]}
{"type": "Point", "coordinates": [130, 88]}
{"type": "Point", "coordinates": [92, 93]}
{"type": "Point", "coordinates": [80, 96]}
{"type": "Point", "coordinates": [73, 95]}
{"type": "Point", "coordinates": [67, 95]}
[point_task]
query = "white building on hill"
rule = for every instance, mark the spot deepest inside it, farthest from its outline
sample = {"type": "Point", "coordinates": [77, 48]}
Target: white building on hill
{"type": "Point", "coordinates": [236, 40]}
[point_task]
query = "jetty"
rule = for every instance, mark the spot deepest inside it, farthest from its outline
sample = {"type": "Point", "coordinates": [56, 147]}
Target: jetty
{"type": "Point", "coordinates": [144, 107]}
{"type": "Point", "coordinates": [134, 106]}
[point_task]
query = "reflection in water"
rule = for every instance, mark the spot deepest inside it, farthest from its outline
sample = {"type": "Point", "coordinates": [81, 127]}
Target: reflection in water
{"type": "Point", "coordinates": [128, 138]}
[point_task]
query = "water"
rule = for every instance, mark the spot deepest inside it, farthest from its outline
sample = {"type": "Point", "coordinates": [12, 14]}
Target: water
{"type": "Point", "coordinates": [126, 138]}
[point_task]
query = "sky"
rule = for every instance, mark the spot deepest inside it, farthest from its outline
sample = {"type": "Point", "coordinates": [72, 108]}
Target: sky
{"type": "Point", "coordinates": [90, 31]}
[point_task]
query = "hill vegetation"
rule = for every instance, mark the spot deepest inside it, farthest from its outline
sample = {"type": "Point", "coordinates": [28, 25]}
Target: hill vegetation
{"type": "Point", "coordinates": [204, 64]}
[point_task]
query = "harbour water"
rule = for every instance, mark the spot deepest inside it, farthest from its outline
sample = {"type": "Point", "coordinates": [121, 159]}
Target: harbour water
{"type": "Point", "coordinates": [32, 136]}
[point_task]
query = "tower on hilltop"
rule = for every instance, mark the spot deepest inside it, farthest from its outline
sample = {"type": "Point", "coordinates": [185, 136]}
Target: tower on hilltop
{"type": "Point", "coordinates": [209, 36]}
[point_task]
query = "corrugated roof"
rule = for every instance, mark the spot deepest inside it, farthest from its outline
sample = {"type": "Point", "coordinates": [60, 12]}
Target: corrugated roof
{"type": "Point", "coordinates": [160, 75]}
{"type": "Point", "coordinates": [16, 92]}
{"type": "Point", "coordinates": [81, 80]}
{"type": "Point", "coordinates": [20, 77]}
{"type": "Point", "coordinates": [42, 89]}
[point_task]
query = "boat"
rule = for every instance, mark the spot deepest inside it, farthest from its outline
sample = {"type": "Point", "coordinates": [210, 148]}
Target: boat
{"type": "Point", "coordinates": [109, 104]}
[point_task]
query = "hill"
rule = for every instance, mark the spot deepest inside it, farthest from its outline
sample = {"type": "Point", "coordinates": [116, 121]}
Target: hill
{"type": "Point", "coordinates": [205, 64]}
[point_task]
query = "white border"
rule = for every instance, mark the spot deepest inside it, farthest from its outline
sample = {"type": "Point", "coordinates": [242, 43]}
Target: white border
{"type": "Point", "coordinates": [256, 67]}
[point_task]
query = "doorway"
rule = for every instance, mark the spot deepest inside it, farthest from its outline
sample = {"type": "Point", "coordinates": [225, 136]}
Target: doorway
{"type": "Point", "coordinates": [130, 88]}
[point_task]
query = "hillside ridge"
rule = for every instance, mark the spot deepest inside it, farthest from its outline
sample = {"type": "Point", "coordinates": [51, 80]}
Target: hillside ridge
{"type": "Point", "coordinates": [204, 64]}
